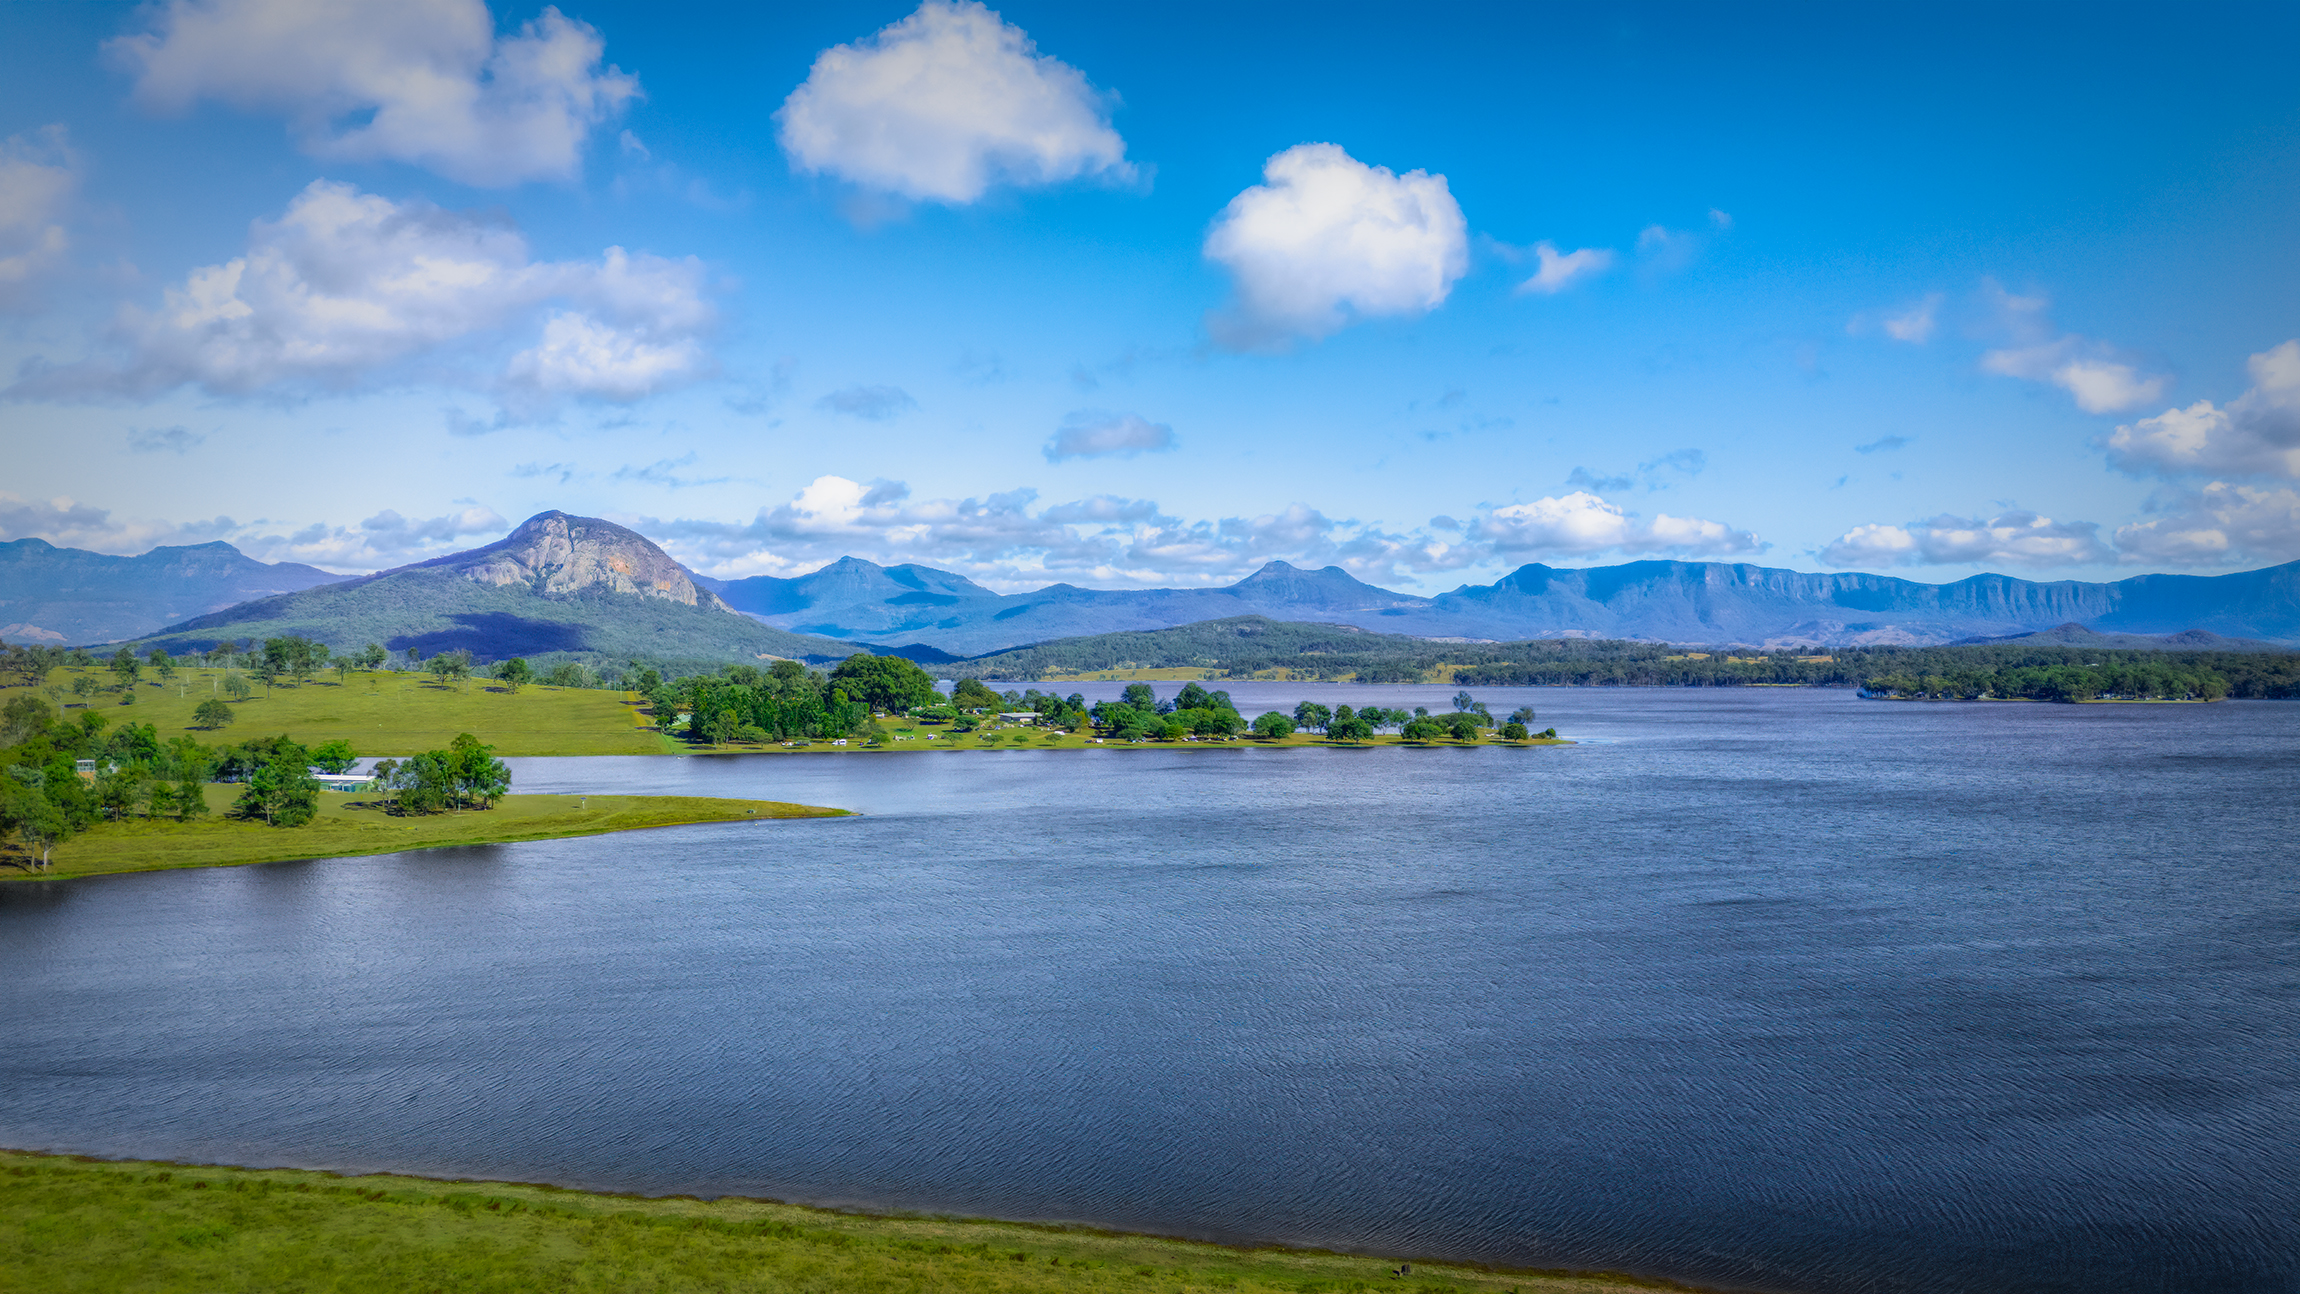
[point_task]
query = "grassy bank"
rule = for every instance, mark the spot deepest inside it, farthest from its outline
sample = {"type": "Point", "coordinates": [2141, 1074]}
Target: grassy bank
{"type": "Point", "coordinates": [70, 1224]}
{"type": "Point", "coordinates": [386, 712]}
{"type": "Point", "coordinates": [354, 824]}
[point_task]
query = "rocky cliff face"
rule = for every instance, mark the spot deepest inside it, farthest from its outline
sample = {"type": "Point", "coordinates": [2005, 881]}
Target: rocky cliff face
{"type": "Point", "coordinates": [554, 553]}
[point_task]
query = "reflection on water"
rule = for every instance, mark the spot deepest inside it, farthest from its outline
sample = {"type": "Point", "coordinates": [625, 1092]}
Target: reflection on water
{"type": "Point", "coordinates": [1777, 989]}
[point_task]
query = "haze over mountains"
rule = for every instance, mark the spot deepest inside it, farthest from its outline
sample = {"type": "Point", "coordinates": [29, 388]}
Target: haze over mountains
{"type": "Point", "coordinates": [560, 583]}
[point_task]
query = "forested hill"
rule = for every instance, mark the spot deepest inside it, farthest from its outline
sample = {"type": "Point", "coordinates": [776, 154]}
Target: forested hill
{"type": "Point", "coordinates": [1244, 646]}
{"type": "Point", "coordinates": [60, 596]}
{"type": "Point", "coordinates": [558, 586]}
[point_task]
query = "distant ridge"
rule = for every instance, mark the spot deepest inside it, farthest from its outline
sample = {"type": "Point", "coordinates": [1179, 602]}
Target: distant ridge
{"type": "Point", "coordinates": [63, 596]}
{"type": "Point", "coordinates": [1656, 601]}
{"type": "Point", "coordinates": [557, 585]}
{"type": "Point", "coordinates": [2076, 635]}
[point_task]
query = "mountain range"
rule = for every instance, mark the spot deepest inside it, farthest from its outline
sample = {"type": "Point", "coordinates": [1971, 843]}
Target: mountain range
{"type": "Point", "coordinates": [591, 588]}
{"type": "Point", "coordinates": [69, 595]}
{"type": "Point", "coordinates": [557, 585]}
{"type": "Point", "coordinates": [918, 607]}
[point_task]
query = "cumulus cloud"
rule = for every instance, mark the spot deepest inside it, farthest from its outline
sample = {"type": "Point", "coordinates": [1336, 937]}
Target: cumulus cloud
{"type": "Point", "coordinates": [385, 539]}
{"type": "Point", "coordinates": [2013, 538]}
{"type": "Point", "coordinates": [943, 105]}
{"type": "Point", "coordinates": [1325, 239]}
{"type": "Point", "coordinates": [2095, 374]}
{"type": "Point", "coordinates": [39, 174]}
{"type": "Point", "coordinates": [346, 283]}
{"type": "Point", "coordinates": [1560, 270]}
{"type": "Point", "coordinates": [2219, 525]}
{"type": "Point", "coordinates": [874, 403]}
{"type": "Point", "coordinates": [2258, 433]}
{"type": "Point", "coordinates": [1581, 524]}
{"type": "Point", "coordinates": [1097, 433]}
{"type": "Point", "coordinates": [426, 82]}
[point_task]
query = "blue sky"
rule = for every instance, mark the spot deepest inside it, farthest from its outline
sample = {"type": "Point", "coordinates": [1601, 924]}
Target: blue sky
{"type": "Point", "coordinates": [1150, 297]}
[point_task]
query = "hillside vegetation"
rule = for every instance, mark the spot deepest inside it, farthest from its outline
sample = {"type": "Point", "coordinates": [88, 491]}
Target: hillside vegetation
{"type": "Point", "coordinates": [1252, 646]}
{"type": "Point", "coordinates": [69, 1226]}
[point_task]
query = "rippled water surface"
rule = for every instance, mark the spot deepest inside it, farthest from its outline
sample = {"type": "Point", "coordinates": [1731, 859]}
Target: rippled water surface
{"type": "Point", "coordinates": [1768, 988]}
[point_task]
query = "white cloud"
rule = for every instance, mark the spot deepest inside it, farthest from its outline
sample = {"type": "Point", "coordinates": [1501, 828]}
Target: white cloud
{"type": "Point", "coordinates": [1560, 270]}
{"type": "Point", "coordinates": [2219, 525]}
{"type": "Point", "coordinates": [1581, 524]}
{"type": "Point", "coordinates": [345, 284]}
{"type": "Point", "coordinates": [1326, 238]}
{"type": "Point", "coordinates": [2011, 538]}
{"type": "Point", "coordinates": [1096, 433]}
{"type": "Point", "coordinates": [383, 540]}
{"type": "Point", "coordinates": [39, 174]}
{"type": "Point", "coordinates": [944, 104]}
{"type": "Point", "coordinates": [421, 81]}
{"type": "Point", "coordinates": [2258, 433]}
{"type": "Point", "coordinates": [1915, 324]}
{"type": "Point", "coordinates": [2094, 373]}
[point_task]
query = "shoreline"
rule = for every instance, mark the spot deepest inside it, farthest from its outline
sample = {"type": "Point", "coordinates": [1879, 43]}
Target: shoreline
{"type": "Point", "coordinates": [356, 829]}
{"type": "Point", "coordinates": [216, 1224]}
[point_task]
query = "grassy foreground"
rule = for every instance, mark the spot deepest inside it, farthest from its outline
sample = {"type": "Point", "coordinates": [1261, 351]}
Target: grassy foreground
{"type": "Point", "coordinates": [354, 824]}
{"type": "Point", "coordinates": [71, 1224]}
{"type": "Point", "coordinates": [387, 713]}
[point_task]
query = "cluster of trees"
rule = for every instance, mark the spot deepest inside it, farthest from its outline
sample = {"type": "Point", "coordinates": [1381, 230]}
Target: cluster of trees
{"type": "Point", "coordinates": [44, 799]}
{"type": "Point", "coordinates": [784, 702]}
{"type": "Point", "coordinates": [2144, 680]}
{"type": "Point", "coordinates": [1191, 712]}
{"type": "Point", "coordinates": [1242, 646]}
{"type": "Point", "coordinates": [465, 775]}
{"type": "Point", "coordinates": [1468, 721]}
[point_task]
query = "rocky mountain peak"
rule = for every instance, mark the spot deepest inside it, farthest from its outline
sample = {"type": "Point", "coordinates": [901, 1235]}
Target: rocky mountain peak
{"type": "Point", "coordinates": [553, 552]}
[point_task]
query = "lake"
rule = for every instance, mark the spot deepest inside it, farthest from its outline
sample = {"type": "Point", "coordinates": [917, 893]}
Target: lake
{"type": "Point", "coordinates": [1769, 988]}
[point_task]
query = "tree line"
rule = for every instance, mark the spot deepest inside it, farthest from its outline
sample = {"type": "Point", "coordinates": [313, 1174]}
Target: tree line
{"type": "Point", "coordinates": [45, 798]}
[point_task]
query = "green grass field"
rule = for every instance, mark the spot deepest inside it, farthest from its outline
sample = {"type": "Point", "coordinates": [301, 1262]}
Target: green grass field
{"type": "Point", "coordinates": [353, 824]}
{"type": "Point", "coordinates": [386, 713]}
{"type": "Point", "coordinates": [69, 1225]}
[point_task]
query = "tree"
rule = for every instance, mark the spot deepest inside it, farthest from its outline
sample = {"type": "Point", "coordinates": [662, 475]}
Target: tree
{"type": "Point", "coordinates": [372, 656]}
{"type": "Point", "coordinates": [125, 664]}
{"type": "Point", "coordinates": [32, 817]}
{"type": "Point", "coordinates": [1423, 729]}
{"type": "Point", "coordinates": [236, 687]}
{"type": "Point", "coordinates": [24, 717]}
{"type": "Point", "coordinates": [889, 683]}
{"type": "Point", "coordinates": [515, 673]}
{"type": "Point", "coordinates": [333, 756]}
{"type": "Point", "coordinates": [163, 663]}
{"type": "Point", "coordinates": [1273, 727]}
{"type": "Point", "coordinates": [1513, 731]}
{"type": "Point", "coordinates": [1463, 701]}
{"type": "Point", "coordinates": [971, 694]}
{"type": "Point", "coordinates": [82, 685]}
{"type": "Point", "coordinates": [1140, 696]}
{"type": "Point", "coordinates": [1309, 714]}
{"type": "Point", "coordinates": [478, 774]}
{"type": "Point", "coordinates": [281, 790]}
{"type": "Point", "coordinates": [1463, 725]}
{"type": "Point", "coordinates": [1523, 716]}
{"type": "Point", "coordinates": [1351, 728]}
{"type": "Point", "coordinates": [211, 714]}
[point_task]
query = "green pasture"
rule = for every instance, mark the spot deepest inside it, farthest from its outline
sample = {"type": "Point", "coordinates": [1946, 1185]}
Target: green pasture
{"type": "Point", "coordinates": [78, 1226]}
{"type": "Point", "coordinates": [381, 713]}
{"type": "Point", "coordinates": [350, 824]}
